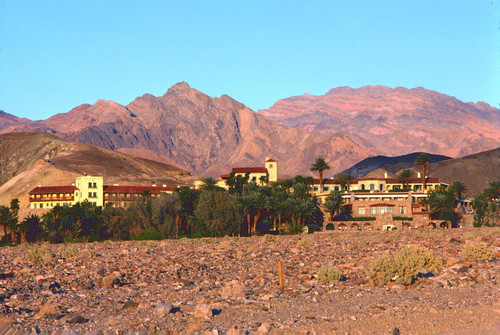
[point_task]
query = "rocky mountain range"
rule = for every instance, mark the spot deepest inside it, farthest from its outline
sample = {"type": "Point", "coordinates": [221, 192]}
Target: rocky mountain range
{"type": "Point", "coordinates": [199, 133]}
{"type": "Point", "coordinates": [28, 160]}
{"type": "Point", "coordinates": [209, 135]}
{"type": "Point", "coordinates": [394, 121]}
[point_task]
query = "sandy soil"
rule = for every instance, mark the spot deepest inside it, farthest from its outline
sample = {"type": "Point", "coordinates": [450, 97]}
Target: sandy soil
{"type": "Point", "coordinates": [230, 285]}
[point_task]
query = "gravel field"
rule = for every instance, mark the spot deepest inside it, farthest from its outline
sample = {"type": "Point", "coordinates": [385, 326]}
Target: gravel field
{"type": "Point", "coordinates": [231, 285]}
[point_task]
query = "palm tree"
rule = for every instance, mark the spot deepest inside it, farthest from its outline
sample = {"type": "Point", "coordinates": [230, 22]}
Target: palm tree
{"type": "Point", "coordinates": [14, 206]}
{"type": "Point", "coordinates": [345, 179]}
{"type": "Point", "coordinates": [333, 204]}
{"type": "Point", "coordinates": [404, 176]}
{"type": "Point", "coordinates": [210, 184]}
{"type": "Point", "coordinates": [441, 205]}
{"type": "Point", "coordinates": [458, 188]}
{"type": "Point", "coordinates": [320, 165]}
{"type": "Point", "coordinates": [9, 222]}
{"type": "Point", "coordinates": [423, 159]}
{"type": "Point", "coordinates": [30, 228]}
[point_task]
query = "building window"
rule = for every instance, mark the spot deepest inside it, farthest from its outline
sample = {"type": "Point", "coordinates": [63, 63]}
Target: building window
{"type": "Point", "coordinates": [402, 210]}
{"type": "Point", "coordinates": [381, 210]}
{"type": "Point", "coordinates": [361, 211]}
{"type": "Point", "coordinates": [337, 188]}
{"type": "Point", "coordinates": [254, 178]}
{"type": "Point", "coordinates": [41, 205]}
{"type": "Point", "coordinates": [270, 166]}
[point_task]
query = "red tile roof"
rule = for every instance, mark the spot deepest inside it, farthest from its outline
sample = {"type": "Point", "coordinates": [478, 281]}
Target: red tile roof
{"type": "Point", "coordinates": [255, 169]}
{"type": "Point", "coordinates": [53, 189]}
{"type": "Point", "coordinates": [413, 180]}
{"type": "Point", "coordinates": [138, 189]}
{"type": "Point", "coordinates": [271, 160]}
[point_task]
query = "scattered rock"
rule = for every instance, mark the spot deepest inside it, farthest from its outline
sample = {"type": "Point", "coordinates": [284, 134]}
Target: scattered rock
{"type": "Point", "coordinates": [111, 281]}
{"type": "Point", "coordinates": [77, 319]}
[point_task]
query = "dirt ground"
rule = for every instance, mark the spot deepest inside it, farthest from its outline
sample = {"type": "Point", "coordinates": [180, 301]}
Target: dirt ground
{"type": "Point", "coordinates": [231, 285]}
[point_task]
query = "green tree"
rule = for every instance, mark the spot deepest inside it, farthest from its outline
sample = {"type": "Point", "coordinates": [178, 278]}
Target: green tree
{"type": "Point", "coordinates": [30, 228]}
{"type": "Point", "coordinates": [319, 166]}
{"type": "Point", "coordinates": [423, 159]}
{"type": "Point", "coordinates": [441, 204]}
{"type": "Point", "coordinates": [458, 188]}
{"type": "Point", "coordinates": [210, 184]}
{"type": "Point", "coordinates": [216, 214]}
{"type": "Point", "coordinates": [236, 183]}
{"type": "Point", "coordinates": [334, 204]}
{"type": "Point", "coordinates": [14, 206]}
{"type": "Point", "coordinates": [8, 222]}
{"type": "Point", "coordinates": [404, 176]}
{"type": "Point", "coordinates": [345, 180]}
{"type": "Point", "coordinates": [480, 206]}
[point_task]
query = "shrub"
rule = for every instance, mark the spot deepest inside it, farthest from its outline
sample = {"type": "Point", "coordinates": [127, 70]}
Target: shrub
{"type": "Point", "coordinates": [328, 274]}
{"type": "Point", "coordinates": [268, 238]}
{"type": "Point", "coordinates": [69, 251]}
{"type": "Point", "coordinates": [477, 251]}
{"type": "Point", "coordinates": [41, 255]}
{"type": "Point", "coordinates": [304, 241]}
{"type": "Point", "coordinates": [311, 229]}
{"type": "Point", "coordinates": [358, 218]}
{"type": "Point", "coordinates": [403, 266]}
{"type": "Point", "coordinates": [330, 226]}
{"type": "Point", "coordinates": [402, 218]}
{"type": "Point", "coordinates": [149, 235]}
{"type": "Point", "coordinates": [148, 243]}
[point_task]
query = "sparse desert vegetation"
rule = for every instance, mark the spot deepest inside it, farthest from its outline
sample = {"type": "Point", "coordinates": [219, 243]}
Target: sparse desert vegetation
{"type": "Point", "coordinates": [345, 281]}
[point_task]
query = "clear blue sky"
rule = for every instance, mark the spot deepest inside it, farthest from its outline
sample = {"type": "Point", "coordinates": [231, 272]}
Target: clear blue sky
{"type": "Point", "coordinates": [55, 55]}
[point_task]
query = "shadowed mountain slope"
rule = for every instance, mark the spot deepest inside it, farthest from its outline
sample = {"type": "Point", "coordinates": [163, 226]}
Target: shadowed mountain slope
{"type": "Point", "coordinates": [389, 164]}
{"type": "Point", "coordinates": [28, 160]}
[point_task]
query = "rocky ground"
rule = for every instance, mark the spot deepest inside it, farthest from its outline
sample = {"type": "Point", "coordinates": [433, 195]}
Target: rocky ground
{"type": "Point", "coordinates": [230, 285]}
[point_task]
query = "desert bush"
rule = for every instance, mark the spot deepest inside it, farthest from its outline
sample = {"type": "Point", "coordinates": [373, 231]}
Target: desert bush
{"type": "Point", "coordinates": [330, 226]}
{"type": "Point", "coordinates": [477, 251]}
{"type": "Point", "coordinates": [403, 266]}
{"type": "Point", "coordinates": [41, 254]}
{"type": "Point", "coordinates": [69, 251]}
{"type": "Point", "coordinates": [148, 235]}
{"type": "Point", "coordinates": [329, 274]}
{"type": "Point", "coordinates": [269, 238]}
{"type": "Point", "coordinates": [148, 243]}
{"type": "Point", "coordinates": [305, 240]}
{"type": "Point", "coordinates": [311, 229]}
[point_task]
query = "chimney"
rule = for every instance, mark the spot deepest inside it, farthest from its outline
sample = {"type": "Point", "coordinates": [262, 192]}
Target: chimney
{"type": "Point", "coordinates": [164, 185]}
{"type": "Point", "coordinates": [154, 185]}
{"type": "Point", "coordinates": [385, 175]}
{"type": "Point", "coordinates": [419, 175]}
{"type": "Point", "coordinates": [116, 184]}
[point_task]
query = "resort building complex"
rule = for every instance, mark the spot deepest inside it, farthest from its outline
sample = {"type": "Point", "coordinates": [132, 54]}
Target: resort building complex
{"type": "Point", "coordinates": [371, 202]}
{"type": "Point", "coordinates": [93, 190]}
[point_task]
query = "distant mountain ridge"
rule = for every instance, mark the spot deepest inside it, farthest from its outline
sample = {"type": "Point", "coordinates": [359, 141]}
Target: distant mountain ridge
{"type": "Point", "coordinates": [394, 121]}
{"type": "Point", "coordinates": [206, 135]}
{"type": "Point", "coordinates": [390, 164]}
{"type": "Point", "coordinates": [209, 135]}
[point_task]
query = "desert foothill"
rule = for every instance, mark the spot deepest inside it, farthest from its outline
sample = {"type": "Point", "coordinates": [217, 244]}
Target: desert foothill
{"type": "Point", "coordinates": [300, 168]}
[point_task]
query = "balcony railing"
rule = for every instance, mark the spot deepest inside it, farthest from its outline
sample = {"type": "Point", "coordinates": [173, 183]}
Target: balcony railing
{"type": "Point", "coordinates": [63, 198]}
